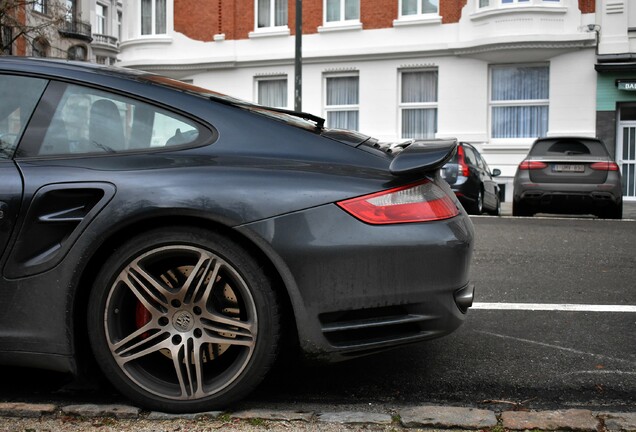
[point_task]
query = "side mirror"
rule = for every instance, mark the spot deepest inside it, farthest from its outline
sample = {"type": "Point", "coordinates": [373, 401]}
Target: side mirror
{"type": "Point", "coordinates": [496, 172]}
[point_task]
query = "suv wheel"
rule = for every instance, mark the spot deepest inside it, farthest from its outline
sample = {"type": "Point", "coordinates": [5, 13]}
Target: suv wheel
{"type": "Point", "coordinates": [521, 209]}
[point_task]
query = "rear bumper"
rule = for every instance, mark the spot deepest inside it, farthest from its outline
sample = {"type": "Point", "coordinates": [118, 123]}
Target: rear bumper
{"type": "Point", "coordinates": [357, 288]}
{"type": "Point", "coordinates": [573, 198]}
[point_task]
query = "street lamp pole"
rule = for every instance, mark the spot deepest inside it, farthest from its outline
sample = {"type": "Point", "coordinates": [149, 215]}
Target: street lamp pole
{"type": "Point", "coordinates": [298, 60]}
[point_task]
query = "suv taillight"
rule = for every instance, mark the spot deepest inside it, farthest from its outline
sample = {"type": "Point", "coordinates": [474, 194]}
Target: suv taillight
{"type": "Point", "coordinates": [461, 162]}
{"type": "Point", "coordinates": [532, 165]}
{"type": "Point", "coordinates": [605, 166]}
{"type": "Point", "coordinates": [419, 202]}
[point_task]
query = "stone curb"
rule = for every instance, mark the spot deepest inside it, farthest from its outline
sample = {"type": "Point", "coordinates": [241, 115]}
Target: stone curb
{"type": "Point", "coordinates": [425, 416]}
{"type": "Point", "coordinates": [448, 417]}
{"type": "Point", "coordinates": [575, 420]}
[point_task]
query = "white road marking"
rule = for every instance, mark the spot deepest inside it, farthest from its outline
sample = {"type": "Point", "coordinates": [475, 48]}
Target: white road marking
{"type": "Point", "coordinates": [601, 372]}
{"type": "Point", "coordinates": [555, 307]}
{"type": "Point", "coordinates": [557, 347]}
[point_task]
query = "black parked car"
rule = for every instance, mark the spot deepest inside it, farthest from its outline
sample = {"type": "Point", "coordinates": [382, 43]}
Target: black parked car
{"type": "Point", "coordinates": [573, 175]}
{"type": "Point", "coordinates": [472, 181]}
{"type": "Point", "coordinates": [183, 238]}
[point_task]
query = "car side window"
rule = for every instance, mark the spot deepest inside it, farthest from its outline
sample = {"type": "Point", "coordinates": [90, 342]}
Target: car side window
{"type": "Point", "coordinates": [88, 121]}
{"type": "Point", "coordinates": [480, 162]}
{"type": "Point", "coordinates": [19, 96]}
{"type": "Point", "coordinates": [470, 156]}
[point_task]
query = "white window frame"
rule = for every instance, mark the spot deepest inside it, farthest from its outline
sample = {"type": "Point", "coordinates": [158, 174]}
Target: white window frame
{"type": "Point", "coordinates": [419, 17]}
{"type": "Point", "coordinates": [101, 18]}
{"type": "Point", "coordinates": [337, 108]}
{"type": "Point", "coordinates": [416, 105]}
{"type": "Point", "coordinates": [272, 30]}
{"type": "Point", "coordinates": [41, 6]}
{"type": "Point", "coordinates": [153, 20]}
{"type": "Point", "coordinates": [516, 3]}
{"type": "Point", "coordinates": [259, 79]}
{"type": "Point", "coordinates": [119, 24]}
{"type": "Point", "coordinates": [513, 103]}
{"type": "Point", "coordinates": [342, 23]}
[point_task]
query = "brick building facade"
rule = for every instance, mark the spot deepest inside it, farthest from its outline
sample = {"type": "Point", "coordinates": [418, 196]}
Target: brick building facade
{"type": "Point", "coordinates": [496, 73]}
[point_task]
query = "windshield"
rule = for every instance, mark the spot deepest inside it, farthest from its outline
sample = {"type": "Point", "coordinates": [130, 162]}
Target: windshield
{"type": "Point", "coordinates": [569, 147]}
{"type": "Point", "coordinates": [302, 120]}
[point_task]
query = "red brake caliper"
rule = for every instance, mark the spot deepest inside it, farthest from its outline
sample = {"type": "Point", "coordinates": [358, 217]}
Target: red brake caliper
{"type": "Point", "coordinates": [142, 317]}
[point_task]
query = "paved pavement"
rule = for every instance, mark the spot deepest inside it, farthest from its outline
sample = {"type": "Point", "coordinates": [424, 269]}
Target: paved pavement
{"type": "Point", "coordinates": [21, 416]}
{"type": "Point", "coordinates": [629, 210]}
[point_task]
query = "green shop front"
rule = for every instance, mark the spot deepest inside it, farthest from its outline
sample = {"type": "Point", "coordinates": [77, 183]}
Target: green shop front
{"type": "Point", "coordinates": [616, 118]}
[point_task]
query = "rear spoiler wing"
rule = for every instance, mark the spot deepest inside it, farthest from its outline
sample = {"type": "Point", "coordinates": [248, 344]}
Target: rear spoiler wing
{"type": "Point", "coordinates": [423, 156]}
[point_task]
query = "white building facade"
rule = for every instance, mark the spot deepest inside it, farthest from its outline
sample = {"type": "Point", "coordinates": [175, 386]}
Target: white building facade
{"type": "Point", "coordinates": [496, 73]}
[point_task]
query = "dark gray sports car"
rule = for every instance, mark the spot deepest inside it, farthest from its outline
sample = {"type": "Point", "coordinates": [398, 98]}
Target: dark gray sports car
{"type": "Point", "coordinates": [182, 238]}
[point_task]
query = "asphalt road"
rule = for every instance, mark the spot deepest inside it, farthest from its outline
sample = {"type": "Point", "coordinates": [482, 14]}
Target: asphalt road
{"type": "Point", "coordinates": [501, 357]}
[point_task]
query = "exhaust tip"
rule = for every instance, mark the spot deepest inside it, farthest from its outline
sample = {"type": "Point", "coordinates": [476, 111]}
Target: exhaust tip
{"type": "Point", "coordinates": [464, 297]}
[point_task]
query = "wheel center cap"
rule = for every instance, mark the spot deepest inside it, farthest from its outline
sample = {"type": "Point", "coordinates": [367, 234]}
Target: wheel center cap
{"type": "Point", "coordinates": [183, 321]}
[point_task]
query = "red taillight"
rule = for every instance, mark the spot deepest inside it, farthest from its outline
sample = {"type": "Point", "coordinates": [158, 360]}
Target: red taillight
{"type": "Point", "coordinates": [419, 202]}
{"type": "Point", "coordinates": [605, 166]}
{"type": "Point", "coordinates": [464, 170]}
{"type": "Point", "coordinates": [532, 165]}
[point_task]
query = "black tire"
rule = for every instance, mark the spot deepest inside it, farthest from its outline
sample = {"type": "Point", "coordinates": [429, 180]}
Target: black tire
{"type": "Point", "coordinates": [521, 209]}
{"type": "Point", "coordinates": [614, 212]}
{"type": "Point", "coordinates": [497, 210]}
{"type": "Point", "coordinates": [477, 207]}
{"type": "Point", "coordinates": [183, 320]}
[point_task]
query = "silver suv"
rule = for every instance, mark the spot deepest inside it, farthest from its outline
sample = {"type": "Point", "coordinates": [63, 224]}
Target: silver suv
{"type": "Point", "coordinates": [573, 175]}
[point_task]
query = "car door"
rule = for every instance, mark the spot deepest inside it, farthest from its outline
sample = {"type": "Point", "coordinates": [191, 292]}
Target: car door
{"type": "Point", "coordinates": [69, 159]}
{"type": "Point", "coordinates": [19, 96]}
{"type": "Point", "coordinates": [490, 186]}
{"type": "Point", "coordinates": [10, 197]}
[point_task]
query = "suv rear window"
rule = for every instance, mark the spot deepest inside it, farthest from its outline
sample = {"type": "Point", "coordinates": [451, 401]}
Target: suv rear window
{"type": "Point", "coordinates": [570, 147]}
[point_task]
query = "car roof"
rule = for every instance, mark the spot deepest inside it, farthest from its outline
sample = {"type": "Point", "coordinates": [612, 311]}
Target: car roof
{"type": "Point", "coordinates": [64, 67]}
{"type": "Point", "coordinates": [568, 137]}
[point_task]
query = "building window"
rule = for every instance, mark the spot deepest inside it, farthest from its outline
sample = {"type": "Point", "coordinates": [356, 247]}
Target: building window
{"type": "Point", "coordinates": [101, 12]}
{"type": "Point", "coordinates": [153, 17]}
{"type": "Point", "coordinates": [40, 47]}
{"type": "Point", "coordinates": [40, 6]}
{"type": "Point", "coordinates": [418, 7]}
{"type": "Point", "coordinates": [272, 92]}
{"type": "Point", "coordinates": [496, 3]}
{"type": "Point", "coordinates": [418, 104]}
{"type": "Point", "coordinates": [342, 102]}
{"type": "Point", "coordinates": [119, 16]}
{"type": "Point", "coordinates": [70, 10]}
{"type": "Point", "coordinates": [7, 40]}
{"type": "Point", "coordinates": [77, 52]}
{"type": "Point", "coordinates": [342, 10]}
{"type": "Point", "coordinates": [534, 2]}
{"type": "Point", "coordinates": [519, 101]}
{"type": "Point", "coordinates": [271, 13]}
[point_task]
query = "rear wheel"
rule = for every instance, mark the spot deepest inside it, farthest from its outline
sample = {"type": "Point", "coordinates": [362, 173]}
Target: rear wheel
{"type": "Point", "coordinates": [477, 207]}
{"type": "Point", "coordinates": [497, 210]}
{"type": "Point", "coordinates": [519, 208]}
{"type": "Point", "coordinates": [613, 212]}
{"type": "Point", "coordinates": [183, 320]}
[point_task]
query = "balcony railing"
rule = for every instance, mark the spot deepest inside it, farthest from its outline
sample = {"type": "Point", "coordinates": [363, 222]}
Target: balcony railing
{"type": "Point", "coordinates": [105, 41]}
{"type": "Point", "coordinates": [76, 29]}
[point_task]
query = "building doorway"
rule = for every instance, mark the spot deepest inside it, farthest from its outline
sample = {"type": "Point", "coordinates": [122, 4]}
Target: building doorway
{"type": "Point", "coordinates": [626, 149]}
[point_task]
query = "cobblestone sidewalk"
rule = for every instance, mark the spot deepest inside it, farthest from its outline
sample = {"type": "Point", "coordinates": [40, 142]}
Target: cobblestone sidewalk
{"type": "Point", "coordinates": [48, 417]}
